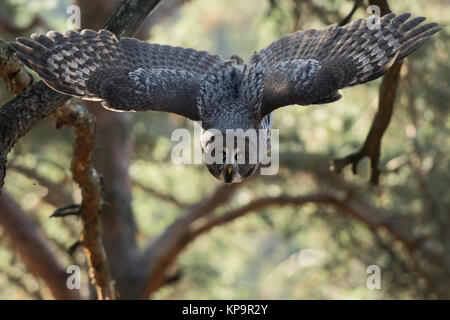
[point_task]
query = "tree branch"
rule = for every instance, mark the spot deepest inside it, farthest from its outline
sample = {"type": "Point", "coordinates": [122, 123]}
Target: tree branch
{"type": "Point", "coordinates": [83, 124]}
{"type": "Point", "coordinates": [351, 13]}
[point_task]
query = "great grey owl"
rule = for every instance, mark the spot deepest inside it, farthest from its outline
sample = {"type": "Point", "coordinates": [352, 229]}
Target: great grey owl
{"type": "Point", "coordinates": [304, 67]}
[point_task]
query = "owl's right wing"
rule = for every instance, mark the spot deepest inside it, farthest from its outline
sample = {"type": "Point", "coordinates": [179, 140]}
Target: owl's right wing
{"type": "Point", "coordinates": [309, 67]}
{"type": "Point", "coordinates": [126, 75]}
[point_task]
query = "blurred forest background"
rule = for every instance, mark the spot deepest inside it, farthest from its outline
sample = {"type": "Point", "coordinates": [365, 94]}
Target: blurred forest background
{"type": "Point", "coordinates": [315, 248]}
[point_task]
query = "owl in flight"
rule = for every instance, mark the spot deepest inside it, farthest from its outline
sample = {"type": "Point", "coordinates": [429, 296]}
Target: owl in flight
{"type": "Point", "coordinates": [304, 67]}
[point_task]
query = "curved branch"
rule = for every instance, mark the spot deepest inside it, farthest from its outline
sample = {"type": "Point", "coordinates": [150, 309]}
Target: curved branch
{"type": "Point", "coordinates": [351, 13]}
{"type": "Point", "coordinates": [163, 256]}
{"type": "Point", "coordinates": [83, 124]}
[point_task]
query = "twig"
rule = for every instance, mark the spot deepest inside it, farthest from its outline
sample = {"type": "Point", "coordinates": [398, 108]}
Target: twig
{"type": "Point", "coordinates": [163, 252]}
{"type": "Point", "coordinates": [350, 15]}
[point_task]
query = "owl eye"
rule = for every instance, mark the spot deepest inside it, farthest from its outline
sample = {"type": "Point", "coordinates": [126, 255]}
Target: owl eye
{"type": "Point", "coordinates": [224, 155]}
{"type": "Point", "coordinates": [239, 156]}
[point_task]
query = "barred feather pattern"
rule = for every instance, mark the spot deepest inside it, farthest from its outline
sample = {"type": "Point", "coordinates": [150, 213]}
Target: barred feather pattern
{"type": "Point", "coordinates": [305, 67]}
{"type": "Point", "coordinates": [126, 75]}
{"type": "Point", "coordinates": [309, 67]}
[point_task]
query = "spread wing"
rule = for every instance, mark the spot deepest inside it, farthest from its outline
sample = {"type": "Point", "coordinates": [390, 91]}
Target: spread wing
{"type": "Point", "coordinates": [309, 67]}
{"type": "Point", "coordinates": [125, 75]}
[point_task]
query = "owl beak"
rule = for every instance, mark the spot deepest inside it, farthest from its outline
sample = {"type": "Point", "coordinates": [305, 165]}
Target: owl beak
{"type": "Point", "coordinates": [228, 175]}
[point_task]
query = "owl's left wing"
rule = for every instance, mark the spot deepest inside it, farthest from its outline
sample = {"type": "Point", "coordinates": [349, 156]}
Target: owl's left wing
{"type": "Point", "coordinates": [126, 74]}
{"type": "Point", "coordinates": [309, 67]}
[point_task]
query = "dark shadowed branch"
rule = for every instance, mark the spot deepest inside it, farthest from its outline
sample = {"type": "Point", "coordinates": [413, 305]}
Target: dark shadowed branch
{"type": "Point", "coordinates": [371, 147]}
{"type": "Point", "coordinates": [348, 17]}
{"type": "Point", "coordinates": [129, 16]}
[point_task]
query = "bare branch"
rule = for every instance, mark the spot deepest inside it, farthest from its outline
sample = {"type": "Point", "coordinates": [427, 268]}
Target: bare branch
{"type": "Point", "coordinates": [372, 145]}
{"type": "Point", "coordinates": [129, 16]}
{"type": "Point", "coordinates": [83, 124]}
{"type": "Point", "coordinates": [347, 19]}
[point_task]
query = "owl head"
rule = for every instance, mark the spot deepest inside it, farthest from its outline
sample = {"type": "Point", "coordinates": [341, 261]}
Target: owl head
{"type": "Point", "coordinates": [232, 155]}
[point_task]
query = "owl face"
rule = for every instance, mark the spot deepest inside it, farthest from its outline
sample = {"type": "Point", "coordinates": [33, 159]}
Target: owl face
{"type": "Point", "coordinates": [230, 157]}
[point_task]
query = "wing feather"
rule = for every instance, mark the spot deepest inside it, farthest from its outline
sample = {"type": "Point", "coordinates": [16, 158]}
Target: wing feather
{"type": "Point", "coordinates": [126, 75]}
{"type": "Point", "coordinates": [309, 67]}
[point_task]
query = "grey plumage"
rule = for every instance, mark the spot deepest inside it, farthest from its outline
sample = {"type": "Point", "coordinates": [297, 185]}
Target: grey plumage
{"type": "Point", "coordinates": [342, 57]}
{"type": "Point", "coordinates": [305, 67]}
